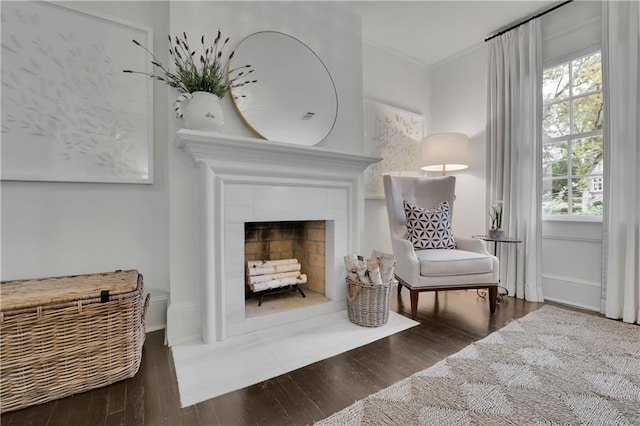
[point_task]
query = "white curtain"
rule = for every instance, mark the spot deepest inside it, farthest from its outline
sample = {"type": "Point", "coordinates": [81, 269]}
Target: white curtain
{"type": "Point", "coordinates": [514, 154]}
{"type": "Point", "coordinates": [621, 249]}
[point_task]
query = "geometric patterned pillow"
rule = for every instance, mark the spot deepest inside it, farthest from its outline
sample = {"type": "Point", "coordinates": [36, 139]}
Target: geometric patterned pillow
{"type": "Point", "coordinates": [429, 229]}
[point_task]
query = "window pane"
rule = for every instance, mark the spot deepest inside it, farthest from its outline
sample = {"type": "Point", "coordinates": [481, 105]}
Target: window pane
{"type": "Point", "coordinates": [585, 201]}
{"type": "Point", "coordinates": [572, 150]}
{"type": "Point", "coordinates": [586, 156]}
{"type": "Point", "coordinates": [555, 196]}
{"type": "Point", "coordinates": [555, 83]}
{"type": "Point", "coordinates": [587, 74]}
{"type": "Point", "coordinates": [555, 120]}
{"type": "Point", "coordinates": [587, 113]}
{"type": "Point", "coordinates": [554, 159]}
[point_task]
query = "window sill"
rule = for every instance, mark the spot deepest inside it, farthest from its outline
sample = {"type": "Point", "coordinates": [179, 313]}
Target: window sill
{"type": "Point", "coordinates": [574, 218]}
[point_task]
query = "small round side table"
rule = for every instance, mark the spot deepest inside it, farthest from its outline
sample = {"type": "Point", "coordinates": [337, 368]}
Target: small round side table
{"type": "Point", "coordinates": [496, 241]}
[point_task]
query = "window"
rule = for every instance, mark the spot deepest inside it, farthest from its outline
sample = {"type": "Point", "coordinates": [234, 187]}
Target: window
{"type": "Point", "coordinates": [572, 167]}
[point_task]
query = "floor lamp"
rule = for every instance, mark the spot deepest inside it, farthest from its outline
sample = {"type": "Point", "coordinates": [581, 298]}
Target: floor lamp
{"type": "Point", "coordinates": [445, 152]}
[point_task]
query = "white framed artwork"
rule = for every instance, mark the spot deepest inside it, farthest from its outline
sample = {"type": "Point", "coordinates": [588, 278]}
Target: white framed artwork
{"type": "Point", "coordinates": [69, 113]}
{"type": "Point", "coordinates": [394, 134]}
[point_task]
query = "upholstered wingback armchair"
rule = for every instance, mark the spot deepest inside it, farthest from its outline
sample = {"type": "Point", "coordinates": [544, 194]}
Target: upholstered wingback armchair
{"type": "Point", "coordinates": [466, 266]}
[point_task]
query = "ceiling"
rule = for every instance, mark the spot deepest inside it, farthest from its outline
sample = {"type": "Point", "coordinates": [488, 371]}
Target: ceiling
{"type": "Point", "coordinates": [429, 32]}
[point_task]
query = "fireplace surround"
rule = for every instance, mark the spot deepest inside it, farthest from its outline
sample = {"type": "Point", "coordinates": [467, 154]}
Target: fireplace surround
{"type": "Point", "coordinates": [253, 180]}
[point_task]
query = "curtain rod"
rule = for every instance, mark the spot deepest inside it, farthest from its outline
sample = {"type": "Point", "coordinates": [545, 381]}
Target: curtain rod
{"type": "Point", "coordinates": [527, 20]}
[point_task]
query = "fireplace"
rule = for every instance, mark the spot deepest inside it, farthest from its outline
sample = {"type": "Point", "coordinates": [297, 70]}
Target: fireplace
{"type": "Point", "coordinates": [296, 246]}
{"type": "Point", "coordinates": [302, 240]}
{"type": "Point", "coordinates": [247, 180]}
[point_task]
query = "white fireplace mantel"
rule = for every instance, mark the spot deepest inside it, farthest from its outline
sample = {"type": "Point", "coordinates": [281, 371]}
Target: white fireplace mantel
{"type": "Point", "coordinates": [251, 180]}
{"type": "Point", "coordinates": [236, 152]}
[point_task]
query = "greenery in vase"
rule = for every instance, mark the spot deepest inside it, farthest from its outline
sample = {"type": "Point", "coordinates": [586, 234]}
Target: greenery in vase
{"type": "Point", "coordinates": [496, 216]}
{"type": "Point", "coordinates": [208, 73]}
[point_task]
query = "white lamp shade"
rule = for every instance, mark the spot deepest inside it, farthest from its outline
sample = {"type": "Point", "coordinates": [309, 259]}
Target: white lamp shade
{"type": "Point", "coordinates": [445, 151]}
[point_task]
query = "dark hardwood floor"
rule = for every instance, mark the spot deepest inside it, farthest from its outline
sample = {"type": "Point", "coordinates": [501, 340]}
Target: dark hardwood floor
{"type": "Point", "coordinates": [449, 322]}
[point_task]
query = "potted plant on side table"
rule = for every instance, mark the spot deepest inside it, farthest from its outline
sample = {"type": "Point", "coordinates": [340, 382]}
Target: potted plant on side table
{"type": "Point", "coordinates": [496, 232]}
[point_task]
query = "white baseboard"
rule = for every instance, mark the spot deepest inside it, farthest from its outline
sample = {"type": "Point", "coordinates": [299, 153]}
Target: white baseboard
{"type": "Point", "coordinates": [572, 304]}
{"type": "Point", "coordinates": [183, 324]}
{"type": "Point", "coordinates": [573, 292]}
{"type": "Point", "coordinates": [571, 280]}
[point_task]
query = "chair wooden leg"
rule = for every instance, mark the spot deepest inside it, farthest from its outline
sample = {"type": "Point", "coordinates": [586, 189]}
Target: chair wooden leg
{"type": "Point", "coordinates": [414, 303]}
{"type": "Point", "coordinates": [399, 287]}
{"type": "Point", "coordinates": [493, 296]}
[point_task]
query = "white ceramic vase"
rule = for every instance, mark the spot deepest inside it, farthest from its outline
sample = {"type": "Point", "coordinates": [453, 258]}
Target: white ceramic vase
{"type": "Point", "coordinates": [202, 111]}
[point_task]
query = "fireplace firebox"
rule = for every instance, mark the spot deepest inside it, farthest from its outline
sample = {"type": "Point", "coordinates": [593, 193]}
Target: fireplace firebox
{"type": "Point", "coordinates": [296, 249]}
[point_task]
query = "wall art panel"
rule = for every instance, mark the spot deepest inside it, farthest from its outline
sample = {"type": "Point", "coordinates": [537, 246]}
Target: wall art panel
{"type": "Point", "coordinates": [394, 134]}
{"type": "Point", "coordinates": [69, 113]}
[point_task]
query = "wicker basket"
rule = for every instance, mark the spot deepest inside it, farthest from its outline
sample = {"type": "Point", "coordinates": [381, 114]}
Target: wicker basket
{"type": "Point", "coordinates": [65, 335]}
{"type": "Point", "coordinates": [367, 304]}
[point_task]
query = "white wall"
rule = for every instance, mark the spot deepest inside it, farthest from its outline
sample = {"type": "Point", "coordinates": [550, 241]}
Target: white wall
{"type": "Point", "coordinates": [452, 96]}
{"type": "Point", "coordinates": [333, 33]}
{"type": "Point", "coordinates": [572, 263]}
{"type": "Point", "coordinates": [69, 228]}
{"type": "Point", "coordinates": [458, 104]}
{"type": "Point", "coordinates": [396, 81]}
{"type": "Point", "coordinates": [571, 251]}
{"type": "Point", "coordinates": [51, 228]}
{"type": "Point", "coordinates": [331, 30]}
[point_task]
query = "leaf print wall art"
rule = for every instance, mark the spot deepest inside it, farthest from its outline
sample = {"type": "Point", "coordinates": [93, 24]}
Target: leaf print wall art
{"type": "Point", "coordinates": [68, 111]}
{"type": "Point", "coordinates": [393, 134]}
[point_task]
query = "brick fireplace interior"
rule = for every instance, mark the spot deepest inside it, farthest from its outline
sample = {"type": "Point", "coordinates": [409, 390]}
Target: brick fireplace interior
{"type": "Point", "coordinates": [302, 240]}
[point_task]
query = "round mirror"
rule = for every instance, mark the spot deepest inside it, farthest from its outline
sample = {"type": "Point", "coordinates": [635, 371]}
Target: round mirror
{"type": "Point", "coordinates": [294, 99]}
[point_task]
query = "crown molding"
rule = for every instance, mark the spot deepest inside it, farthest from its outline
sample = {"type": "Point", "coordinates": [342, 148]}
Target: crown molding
{"type": "Point", "coordinates": [401, 55]}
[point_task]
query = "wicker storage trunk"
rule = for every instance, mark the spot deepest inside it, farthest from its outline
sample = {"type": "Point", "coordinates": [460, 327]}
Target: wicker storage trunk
{"type": "Point", "coordinates": [64, 335]}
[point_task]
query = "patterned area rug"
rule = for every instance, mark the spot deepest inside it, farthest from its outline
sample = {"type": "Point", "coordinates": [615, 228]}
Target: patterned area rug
{"type": "Point", "coordinates": [551, 367]}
